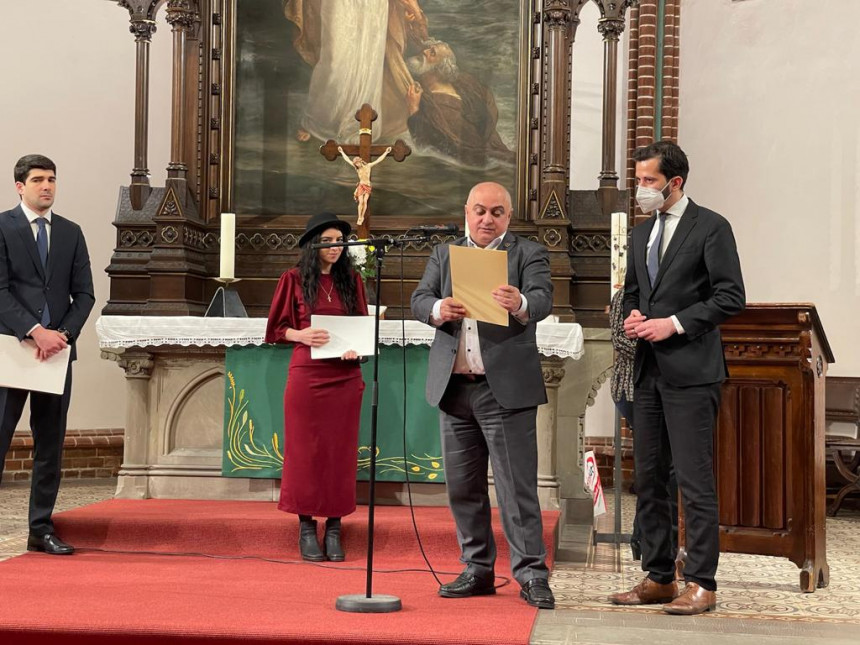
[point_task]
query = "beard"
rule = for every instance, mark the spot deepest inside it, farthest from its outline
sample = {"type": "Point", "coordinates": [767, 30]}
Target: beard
{"type": "Point", "coordinates": [418, 66]}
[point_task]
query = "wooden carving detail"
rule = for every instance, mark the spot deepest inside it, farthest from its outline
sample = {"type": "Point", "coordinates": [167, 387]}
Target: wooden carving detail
{"type": "Point", "coordinates": [136, 239]}
{"type": "Point", "coordinates": [792, 351]}
{"type": "Point", "coordinates": [166, 245]}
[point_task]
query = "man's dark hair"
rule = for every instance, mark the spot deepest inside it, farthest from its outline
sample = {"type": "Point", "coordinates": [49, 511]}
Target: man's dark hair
{"type": "Point", "coordinates": [673, 161]}
{"type": "Point", "coordinates": [29, 162]}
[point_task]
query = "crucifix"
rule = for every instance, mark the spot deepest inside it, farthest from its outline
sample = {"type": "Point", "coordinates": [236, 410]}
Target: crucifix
{"type": "Point", "coordinates": [361, 158]}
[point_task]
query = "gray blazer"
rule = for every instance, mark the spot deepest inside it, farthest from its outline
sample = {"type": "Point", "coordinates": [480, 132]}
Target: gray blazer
{"type": "Point", "coordinates": [509, 353]}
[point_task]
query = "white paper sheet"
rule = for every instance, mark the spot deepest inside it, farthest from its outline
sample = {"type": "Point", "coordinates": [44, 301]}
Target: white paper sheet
{"type": "Point", "coordinates": [345, 333]}
{"type": "Point", "coordinates": [19, 367]}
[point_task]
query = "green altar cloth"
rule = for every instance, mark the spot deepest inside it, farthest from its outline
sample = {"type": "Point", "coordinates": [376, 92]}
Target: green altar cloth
{"type": "Point", "coordinates": [254, 415]}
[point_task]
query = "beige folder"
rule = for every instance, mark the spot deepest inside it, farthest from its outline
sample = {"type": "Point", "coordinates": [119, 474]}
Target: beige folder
{"type": "Point", "coordinates": [475, 273]}
{"type": "Point", "coordinates": [20, 369]}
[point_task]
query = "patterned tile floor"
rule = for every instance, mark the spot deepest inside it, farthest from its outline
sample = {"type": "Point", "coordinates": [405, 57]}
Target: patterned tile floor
{"type": "Point", "coordinates": [15, 498]}
{"type": "Point", "coordinates": [759, 600]}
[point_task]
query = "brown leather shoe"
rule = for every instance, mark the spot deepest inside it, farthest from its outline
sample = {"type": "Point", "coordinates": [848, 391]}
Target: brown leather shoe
{"type": "Point", "coordinates": [646, 592]}
{"type": "Point", "coordinates": [693, 600]}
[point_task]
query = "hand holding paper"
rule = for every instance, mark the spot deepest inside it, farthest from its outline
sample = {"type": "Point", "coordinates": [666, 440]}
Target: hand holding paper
{"type": "Point", "coordinates": [311, 336]}
{"type": "Point", "coordinates": [450, 310]}
{"type": "Point", "coordinates": [508, 297]}
{"type": "Point", "coordinates": [48, 342]}
{"type": "Point", "coordinates": [22, 368]}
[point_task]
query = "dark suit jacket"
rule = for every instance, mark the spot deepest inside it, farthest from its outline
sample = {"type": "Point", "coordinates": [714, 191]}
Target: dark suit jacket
{"type": "Point", "coordinates": [510, 355]}
{"type": "Point", "coordinates": [700, 282]}
{"type": "Point", "coordinates": [67, 284]}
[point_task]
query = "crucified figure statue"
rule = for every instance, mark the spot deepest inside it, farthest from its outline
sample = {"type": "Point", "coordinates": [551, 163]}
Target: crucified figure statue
{"type": "Point", "coordinates": [364, 187]}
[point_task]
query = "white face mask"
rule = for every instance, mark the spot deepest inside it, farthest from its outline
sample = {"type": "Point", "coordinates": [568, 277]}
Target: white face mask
{"type": "Point", "coordinates": [651, 199]}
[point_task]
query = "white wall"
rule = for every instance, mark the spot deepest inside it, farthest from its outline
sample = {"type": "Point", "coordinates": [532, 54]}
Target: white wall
{"type": "Point", "coordinates": [68, 75]}
{"type": "Point", "coordinates": [769, 114]}
{"type": "Point", "coordinates": [586, 124]}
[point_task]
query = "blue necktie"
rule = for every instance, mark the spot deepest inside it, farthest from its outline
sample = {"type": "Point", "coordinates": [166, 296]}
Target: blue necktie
{"type": "Point", "coordinates": [654, 251]}
{"type": "Point", "coordinates": [42, 245]}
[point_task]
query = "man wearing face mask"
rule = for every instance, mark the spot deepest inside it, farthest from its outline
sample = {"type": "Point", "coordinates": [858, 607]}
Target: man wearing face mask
{"type": "Point", "coordinates": [683, 280]}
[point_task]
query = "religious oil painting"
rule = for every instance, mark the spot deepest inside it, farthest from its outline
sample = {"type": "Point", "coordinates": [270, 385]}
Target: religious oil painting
{"type": "Point", "coordinates": [444, 76]}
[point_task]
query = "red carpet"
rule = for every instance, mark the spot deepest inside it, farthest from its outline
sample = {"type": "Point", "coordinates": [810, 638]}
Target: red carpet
{"type": "Point", "coordinates": [97, 598]}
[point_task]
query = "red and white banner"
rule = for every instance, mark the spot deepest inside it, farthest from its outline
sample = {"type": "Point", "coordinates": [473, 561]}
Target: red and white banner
{"type": "Point", "coordinates": [592, 483]}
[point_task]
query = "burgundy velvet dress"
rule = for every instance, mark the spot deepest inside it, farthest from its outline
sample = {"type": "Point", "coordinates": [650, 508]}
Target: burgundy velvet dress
{"type": "Point", "coordinates": [322, 406]}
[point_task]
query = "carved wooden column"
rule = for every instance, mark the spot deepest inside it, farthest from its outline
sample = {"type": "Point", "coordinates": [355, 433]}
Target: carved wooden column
{"type": "Point", "coordinates": [177, 269]}
{"type": "Point", "coordinates": [132, 483]}
{"type": "Point", "coordinates": [558, 22]}
{"type": "Point", "coordinates": [611, 25]}
{"type": "Point", "coordinates": [142, 26]}
{"type": "Point", "coordinates": [182, 15]}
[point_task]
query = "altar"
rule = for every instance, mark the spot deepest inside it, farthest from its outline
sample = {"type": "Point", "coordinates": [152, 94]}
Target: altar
{"type": "Point", "coordinates": [205, 410]}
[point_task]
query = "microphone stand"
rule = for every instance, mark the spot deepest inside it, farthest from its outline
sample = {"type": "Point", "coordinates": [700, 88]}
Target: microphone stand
{"type": "Point", "coordinates": [367, 603]}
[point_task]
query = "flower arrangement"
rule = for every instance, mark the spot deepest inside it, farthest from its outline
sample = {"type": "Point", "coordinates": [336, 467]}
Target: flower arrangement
{"type": "Point", "coordinates": [364, 261]}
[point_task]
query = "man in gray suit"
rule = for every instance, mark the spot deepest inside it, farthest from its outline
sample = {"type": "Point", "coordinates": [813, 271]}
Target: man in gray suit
{"type": "Point", "coordinates": [487, 381]}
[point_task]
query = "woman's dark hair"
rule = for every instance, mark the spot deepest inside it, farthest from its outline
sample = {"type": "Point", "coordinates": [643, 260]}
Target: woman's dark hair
{"type": "Point", "coordinates": [341, 272]}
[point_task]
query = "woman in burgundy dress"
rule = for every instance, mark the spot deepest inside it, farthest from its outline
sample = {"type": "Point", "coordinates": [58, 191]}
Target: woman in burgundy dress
{"type": "Point", "coordinates": [322, 400]}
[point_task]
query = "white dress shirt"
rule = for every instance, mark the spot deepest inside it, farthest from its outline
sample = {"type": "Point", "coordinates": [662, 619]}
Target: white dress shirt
{"type": "Point", "coordinates": [32, 216]}
{"type": "Point", "coordinates": [468, 360]}
{"type": "Point", "coordinates": [673, 217]}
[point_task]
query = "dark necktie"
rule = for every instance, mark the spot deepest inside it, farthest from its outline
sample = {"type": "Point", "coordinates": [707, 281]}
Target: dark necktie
{"type": "Point", "coordinates": [654, 251]}
{"type": "Point", "coordinates": [42, 245]}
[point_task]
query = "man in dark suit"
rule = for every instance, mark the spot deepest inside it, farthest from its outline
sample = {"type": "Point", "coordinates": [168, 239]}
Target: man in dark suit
{"type": "Point", "coordinates": [46, 294]}
{"type": "Point", "coordinates": [487, 381]}
{"type": "Point", "coordinates": [683, 280]}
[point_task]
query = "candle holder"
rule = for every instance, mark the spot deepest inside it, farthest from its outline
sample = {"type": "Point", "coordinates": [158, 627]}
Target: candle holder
{"type": "Point", "coordinates": [226, 302]}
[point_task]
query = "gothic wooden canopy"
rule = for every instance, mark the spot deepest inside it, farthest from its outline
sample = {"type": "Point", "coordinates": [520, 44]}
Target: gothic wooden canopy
{"type": "Point", "coordinates": [167, 246]}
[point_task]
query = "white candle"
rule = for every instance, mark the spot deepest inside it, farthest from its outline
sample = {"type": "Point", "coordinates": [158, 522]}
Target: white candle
{"type": "Point", "coordinates": [618, 251]}
{"type": "Point", "coordinates": [228, 245]}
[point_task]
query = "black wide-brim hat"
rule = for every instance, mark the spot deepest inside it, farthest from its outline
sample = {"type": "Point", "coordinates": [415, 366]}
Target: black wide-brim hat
{"type": "Point", "coordinates": [320, 222]}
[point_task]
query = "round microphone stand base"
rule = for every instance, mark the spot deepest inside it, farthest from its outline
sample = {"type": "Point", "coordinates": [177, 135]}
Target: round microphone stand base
{"type": "Point", "coordinates": [361, 604]}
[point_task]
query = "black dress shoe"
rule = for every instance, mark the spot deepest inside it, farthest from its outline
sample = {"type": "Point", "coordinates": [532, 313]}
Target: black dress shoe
{"type": "Point", "coordinates": [537, 593]}
{"type": "Point", "coordinates": [50, 544]}
{"type": "Point", "coordinates": [467, 585]}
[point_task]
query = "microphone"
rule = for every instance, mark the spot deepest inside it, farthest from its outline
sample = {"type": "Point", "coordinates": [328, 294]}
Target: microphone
{"type": "Point", "coordinates": [437, 228]}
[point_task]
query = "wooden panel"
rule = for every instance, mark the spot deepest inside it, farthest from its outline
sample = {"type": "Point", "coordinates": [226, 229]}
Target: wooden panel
{"type": "Point", "coordinates": [750, 456]}
{"type": "Point", "coordinates": [726, 462]}
{"type": "Point", "coordinates": [774, 457]}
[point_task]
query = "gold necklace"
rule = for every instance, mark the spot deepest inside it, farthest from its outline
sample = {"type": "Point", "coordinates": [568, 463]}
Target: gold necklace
{"type": "Point", "coordinates": [327, 291]}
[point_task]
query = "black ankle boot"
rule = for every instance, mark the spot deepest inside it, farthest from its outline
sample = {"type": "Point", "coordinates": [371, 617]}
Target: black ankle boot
{"type": "Point", "coordinates": [333, 550]}
{"type": "Point", "coordinates": [308, 544]}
